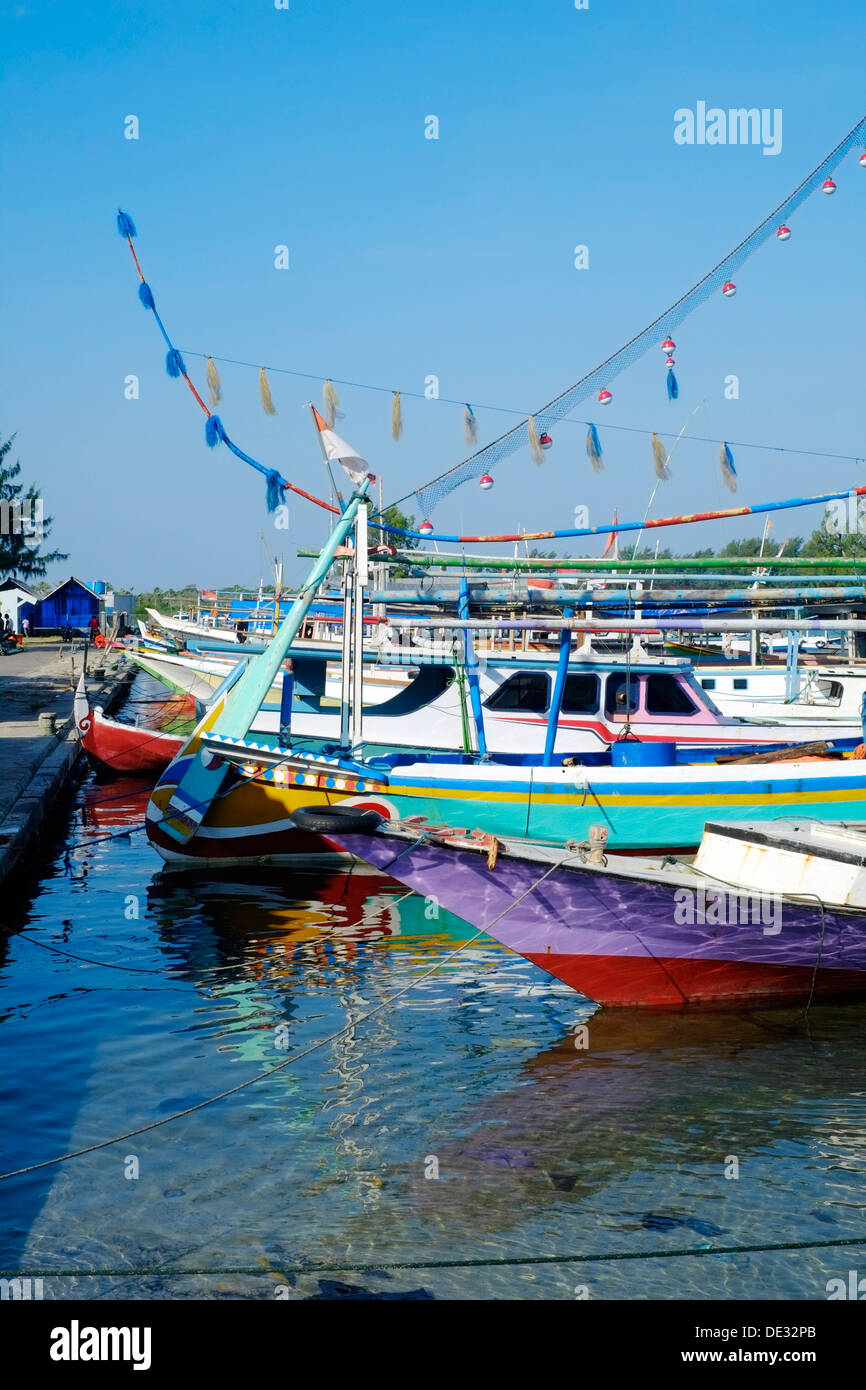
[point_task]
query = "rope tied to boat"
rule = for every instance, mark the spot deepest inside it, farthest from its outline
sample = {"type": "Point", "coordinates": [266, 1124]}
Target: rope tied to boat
{"type": "Point", "coordinates": [299, 1056]}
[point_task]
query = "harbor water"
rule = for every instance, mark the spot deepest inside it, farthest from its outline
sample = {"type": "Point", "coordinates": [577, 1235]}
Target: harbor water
{"type": "Point", "coordinates": [440, 1119]}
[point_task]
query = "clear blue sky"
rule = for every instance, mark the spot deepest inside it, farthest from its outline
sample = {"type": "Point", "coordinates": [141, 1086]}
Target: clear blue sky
{"type": "Point", "coordinates": [410, 256]}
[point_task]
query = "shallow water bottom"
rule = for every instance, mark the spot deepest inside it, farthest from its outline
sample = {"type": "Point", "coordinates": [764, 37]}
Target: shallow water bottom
{"type": "Point", "coordinates": [445, 1117]}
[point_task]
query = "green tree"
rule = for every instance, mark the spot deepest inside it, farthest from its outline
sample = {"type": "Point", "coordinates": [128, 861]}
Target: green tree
{"type": "Point", "coordinates": [824, 542]}
{"type": "Point", "coordinates": [392, 516]}
{"type": "Point", "coordinates": [23, 525]}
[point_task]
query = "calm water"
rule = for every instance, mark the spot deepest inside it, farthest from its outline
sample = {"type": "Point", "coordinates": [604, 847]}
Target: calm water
{"type": "Point", "coordinates": [541, 1148]}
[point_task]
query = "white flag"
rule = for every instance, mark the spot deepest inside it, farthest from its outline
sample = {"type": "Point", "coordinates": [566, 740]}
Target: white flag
{"type": "Point", "coordinates": [338, 451]}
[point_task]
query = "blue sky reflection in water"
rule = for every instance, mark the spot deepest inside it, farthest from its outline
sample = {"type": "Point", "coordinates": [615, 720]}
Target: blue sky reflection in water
{"type": "Point", "coordinates": [541, 1148]}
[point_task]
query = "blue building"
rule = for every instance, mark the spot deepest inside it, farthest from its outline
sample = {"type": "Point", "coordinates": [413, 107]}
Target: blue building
{"type": "Point", "coordinates": [71, 602]}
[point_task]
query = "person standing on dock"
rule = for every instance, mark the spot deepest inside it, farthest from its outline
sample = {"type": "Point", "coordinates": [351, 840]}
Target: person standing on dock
{"type": "Point", "coordinates": [94, 627]}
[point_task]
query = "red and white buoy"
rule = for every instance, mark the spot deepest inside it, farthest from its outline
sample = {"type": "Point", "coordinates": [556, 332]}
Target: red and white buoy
{"type": "Point", "coordinates": [669, 362]}
{"type": "Point", "coordinates": [485, 481]}
{"type": "Point", "coordinates": [605, 397]}
{"type": "Point", "coordinates": [729, 289]}
{"type": "Point", "coordinates": [783, 233]}
{"type": "Point", "coordinates": [668, 345]}
{"type": "Point", "coordinates": [862, 160]}
{"type": "Point", "coordinates": [426, 528]}
{"type": "Point", "coordinates": [545, 441]}
{"type": "Point", "coordinates": [828, 186]}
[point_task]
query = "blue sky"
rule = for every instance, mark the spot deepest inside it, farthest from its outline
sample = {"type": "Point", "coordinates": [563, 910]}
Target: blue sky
{"type": "Point", "coordinates": [412, 257]}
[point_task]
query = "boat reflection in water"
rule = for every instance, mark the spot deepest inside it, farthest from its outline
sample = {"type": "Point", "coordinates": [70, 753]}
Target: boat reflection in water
{"type": "Point", "coordinates": [627, 1086]}
{"type": "Point", "coordinates": [635, 1131]}
{"type": "Point", "coordinates": [460, 1122]}
{"type": "Point", "coordinates": [275, 923]}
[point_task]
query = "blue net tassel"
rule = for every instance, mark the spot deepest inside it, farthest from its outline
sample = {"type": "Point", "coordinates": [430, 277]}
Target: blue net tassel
{"type": "Point", "coordinates": [593, 448]}
{"type": "Point", "coordinates": [729, 472]}
{"type": "Point", "coordinates": [174, 363]}
{"type": "Point", "coordinates": [145, 295]}
{"type": "Point", "coordinates": [125, 224]}
{"type": "Point", "coordinates": [276, 489]}
{"type": "Point", "coordinates": [213, 431]}
{"type": "Point", "coordinates": [673, 388]}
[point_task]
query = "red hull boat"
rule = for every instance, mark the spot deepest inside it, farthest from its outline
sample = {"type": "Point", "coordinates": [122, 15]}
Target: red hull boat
{"type": "Point", "coordinates": [114, 748]}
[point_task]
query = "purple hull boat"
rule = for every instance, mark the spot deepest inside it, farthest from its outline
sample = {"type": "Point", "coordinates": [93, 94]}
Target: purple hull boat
{"type": "Point", "coordinates": [654, 932]}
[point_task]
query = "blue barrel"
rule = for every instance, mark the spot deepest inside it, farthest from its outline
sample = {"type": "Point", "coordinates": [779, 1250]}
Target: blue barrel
{"type": "Point", "coordinates": [630, 752]}
{"type": "Point", "coordinates": [98, 586]}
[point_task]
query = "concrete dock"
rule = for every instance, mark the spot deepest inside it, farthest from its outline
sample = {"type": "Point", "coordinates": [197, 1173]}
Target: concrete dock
{"type": "Point", "coordinates": [35, 765]}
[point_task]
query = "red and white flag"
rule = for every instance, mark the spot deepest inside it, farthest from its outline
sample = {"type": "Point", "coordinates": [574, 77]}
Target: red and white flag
{"type": "Point", "coordinates": [612, 546]}
{"type": "Point", "coordinates": [338, 451]}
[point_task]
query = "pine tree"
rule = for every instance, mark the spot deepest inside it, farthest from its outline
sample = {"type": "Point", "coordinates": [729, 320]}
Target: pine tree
{"type": "Point", "coordinates": [22, 528]}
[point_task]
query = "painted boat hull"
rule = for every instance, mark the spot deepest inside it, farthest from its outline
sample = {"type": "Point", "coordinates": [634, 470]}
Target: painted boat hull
{"type": "Point", "coordinates": [115, 749]}
{"type": "Point", "coordinates": [249, 825]}
{"type": "Point", "coordinates": [642, 811]}
{"type": "Point", "coordinates": [617, 940]}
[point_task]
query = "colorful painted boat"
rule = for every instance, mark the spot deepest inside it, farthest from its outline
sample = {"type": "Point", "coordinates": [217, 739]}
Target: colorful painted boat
{"type": "Point", "coordinates": [228, 798]}
{"type": "Point", "coordinates": [654, 932]}
{"type": "Point", "coordinates": [425, 707]}
{"type": "Point", "coordinates": [645, 808]}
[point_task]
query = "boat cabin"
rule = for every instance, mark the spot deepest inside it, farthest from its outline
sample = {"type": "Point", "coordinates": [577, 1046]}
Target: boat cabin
{"type": "Point", "coordinates": [615, 695]}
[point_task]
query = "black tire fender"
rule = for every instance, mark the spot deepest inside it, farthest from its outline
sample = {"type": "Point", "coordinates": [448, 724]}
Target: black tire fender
{"type": "Point", "coordinates": [322, 820]}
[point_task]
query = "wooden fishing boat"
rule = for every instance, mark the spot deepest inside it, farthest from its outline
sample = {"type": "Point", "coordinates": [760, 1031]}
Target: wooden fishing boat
{"type": "Point", "coordinates": [833, 692]}
{"type": "Point", "coordinates": [229, 798]}
{"type": "Point", "coordinates": [660, 808]}
{"type": "Point", "coordinates": [769, 914]}
{"type": "Point", "coordinates": [115, 748]}
{"type": "Point", "coordinates": [425, 707]}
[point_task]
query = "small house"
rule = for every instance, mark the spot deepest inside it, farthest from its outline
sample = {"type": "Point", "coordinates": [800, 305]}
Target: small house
{"type": "Point", "coordinates": [17, 602]}
{"type": "Point", "coordinates": [71, 603]}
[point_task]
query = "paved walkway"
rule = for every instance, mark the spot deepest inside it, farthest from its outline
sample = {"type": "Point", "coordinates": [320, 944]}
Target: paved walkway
{"type": "Point", "coordinates": [33, 679]}
{"type": "Point", "coordinates": [33, 765]}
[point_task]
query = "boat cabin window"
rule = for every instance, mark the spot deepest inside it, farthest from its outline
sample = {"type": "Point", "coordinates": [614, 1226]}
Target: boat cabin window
{"type": "Point", "coordinates": [830, 690]}
{"type": "Point", "coordinates": [581, 694]}
{"type": "Point", "coordinates": [740, 683]}
{"type": "Point", "coordinates": [666, 695]}
{"type": "Point", "coordinates": [527, 691]}
{"type": "Point", "coordinates": [709, 684]}
{"type": "Point", "coordinates": [622, 696]}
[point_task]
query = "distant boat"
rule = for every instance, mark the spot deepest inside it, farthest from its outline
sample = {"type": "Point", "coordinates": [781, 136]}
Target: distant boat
{"type": "Point", "coordinates": [766, 914]}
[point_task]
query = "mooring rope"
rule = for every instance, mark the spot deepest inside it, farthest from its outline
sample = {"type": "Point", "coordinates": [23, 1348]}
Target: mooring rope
{"type": "Point", "coordinates": [742, 890]}
{"type": "Point", "coordinates": [490, 1262]}
{"type": "Point", "coordinates": [290, 1061]}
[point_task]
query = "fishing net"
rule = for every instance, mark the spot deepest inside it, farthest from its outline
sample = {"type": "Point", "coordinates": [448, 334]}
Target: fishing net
{"type": "Point", "coordinates": [429, 496]}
